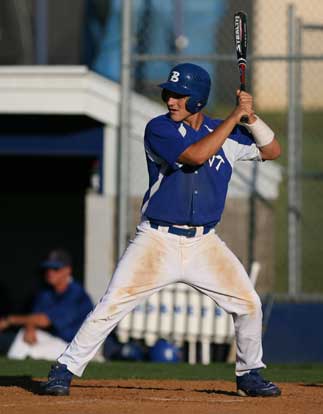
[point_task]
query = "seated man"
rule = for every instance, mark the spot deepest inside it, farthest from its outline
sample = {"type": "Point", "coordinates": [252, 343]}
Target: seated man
{"type": "Point", "coordinates": [57, 314]}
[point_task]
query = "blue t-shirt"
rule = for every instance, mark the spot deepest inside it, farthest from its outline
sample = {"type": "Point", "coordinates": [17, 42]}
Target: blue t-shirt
{"type": "Point", "coordinates": [66, 310]}
{"type": "Point", "coordinates": [184, 194]}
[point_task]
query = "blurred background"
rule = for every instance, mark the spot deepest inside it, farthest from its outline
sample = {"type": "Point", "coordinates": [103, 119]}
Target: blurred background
{"type": "Point", "coordinates": [78, 83]}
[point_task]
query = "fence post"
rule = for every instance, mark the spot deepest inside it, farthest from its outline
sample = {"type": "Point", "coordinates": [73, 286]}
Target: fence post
{"type": "Point", "coordinates": [252, 216]}
{"type": "Point", "coordinates": [124, 125]}
{"type": "Point", "coordinates": [294, 242]}
{"type": "Point", "coordinates": [41, 30]}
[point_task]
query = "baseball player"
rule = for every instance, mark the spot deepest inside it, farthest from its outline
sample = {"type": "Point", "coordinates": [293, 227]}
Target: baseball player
{"type": "Point", "coordinates": [190, 158]}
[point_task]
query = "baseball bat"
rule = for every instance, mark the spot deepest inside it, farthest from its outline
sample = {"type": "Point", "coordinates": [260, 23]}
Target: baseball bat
{"type": "Point", "coordinates": [241, 43]}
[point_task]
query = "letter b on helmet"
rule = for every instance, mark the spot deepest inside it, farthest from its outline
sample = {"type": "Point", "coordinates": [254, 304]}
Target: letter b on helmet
{"type": "Point", "coordinates": [189, 80]}
{"type": "Point", "coordinates": [174, 76]}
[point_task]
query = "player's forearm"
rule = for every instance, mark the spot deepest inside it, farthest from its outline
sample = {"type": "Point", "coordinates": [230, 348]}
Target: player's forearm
{"type": "Point", "coordinates": [201, 151]}
{"type": "Point", "coordinates": [40, 320]}
{"type": "Point", "coordinates": [264, 138]}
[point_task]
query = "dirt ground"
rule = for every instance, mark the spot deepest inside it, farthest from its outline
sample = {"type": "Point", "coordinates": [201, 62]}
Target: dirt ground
{"type": "Point", "coordinates": [20, 395]}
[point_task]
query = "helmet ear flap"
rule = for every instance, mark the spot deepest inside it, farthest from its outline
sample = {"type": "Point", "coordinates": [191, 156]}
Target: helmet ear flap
{"type": "Point", "coordinates": [193, 104]}
{"type": "Point", "coordinates": [188, 104]}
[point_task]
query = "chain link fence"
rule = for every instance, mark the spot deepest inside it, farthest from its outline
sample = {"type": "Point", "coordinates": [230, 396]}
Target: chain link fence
{"type": "Point", "coordinates": [284, 74]}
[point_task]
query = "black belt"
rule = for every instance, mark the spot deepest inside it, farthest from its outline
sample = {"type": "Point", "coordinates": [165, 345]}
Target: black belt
{"type": "Point", "coordinates": [179, 231]}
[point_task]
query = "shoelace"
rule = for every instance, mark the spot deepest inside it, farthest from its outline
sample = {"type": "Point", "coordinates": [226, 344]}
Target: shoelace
{"type": "Point", "coordinates": [257, 379]}
{"type": "Point", "coordinates": [56, 373]}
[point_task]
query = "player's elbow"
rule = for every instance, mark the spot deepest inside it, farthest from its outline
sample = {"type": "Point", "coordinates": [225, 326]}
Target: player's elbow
{"type": "Point", "coordinates": [190, 157]}
{"type": "Point", "coordinates": [193, 161]}
{"type": "Point", "coordinates": [277, 153]}
{"type": "Point", "coordinates": [271, 151]}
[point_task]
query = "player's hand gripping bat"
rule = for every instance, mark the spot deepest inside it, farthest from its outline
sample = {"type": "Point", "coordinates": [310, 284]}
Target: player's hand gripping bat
{"type": "Point", "coordinates": [241, 42]}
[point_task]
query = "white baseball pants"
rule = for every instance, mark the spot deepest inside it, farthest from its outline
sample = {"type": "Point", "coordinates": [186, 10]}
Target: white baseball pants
{"type": "Point", "coordinates": [155, 259]}
{"type": "Point", "coordinates": [47, 346]}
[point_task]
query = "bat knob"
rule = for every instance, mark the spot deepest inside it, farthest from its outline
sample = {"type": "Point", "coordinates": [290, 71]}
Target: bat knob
{"type": "Point", "coordinates": [244, 119]}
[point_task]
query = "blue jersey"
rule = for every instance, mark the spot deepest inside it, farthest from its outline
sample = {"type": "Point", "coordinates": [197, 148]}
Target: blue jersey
{"type": "Point", "coordinates": [66, 310]}
{"type": "Point", "coordinates": [184, 194]}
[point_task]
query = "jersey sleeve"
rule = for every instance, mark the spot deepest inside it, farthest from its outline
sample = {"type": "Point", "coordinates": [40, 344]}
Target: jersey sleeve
{"type": "Point", "coordinates": [67, 317]}
{"type": "Point", "coordinates": [245, 148]}
{"type": "Point", "coordinates": [167, 140]}
{"type": "Point", "coordinates": [67, 313]}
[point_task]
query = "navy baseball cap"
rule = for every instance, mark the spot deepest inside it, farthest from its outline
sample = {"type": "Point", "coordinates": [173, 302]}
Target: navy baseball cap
{"type": "Point", "coordinates": [56, 259]}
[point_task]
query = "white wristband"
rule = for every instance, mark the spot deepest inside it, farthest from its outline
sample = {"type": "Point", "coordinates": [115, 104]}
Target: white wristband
{"type": "Point", "coordinates": [261, 132]}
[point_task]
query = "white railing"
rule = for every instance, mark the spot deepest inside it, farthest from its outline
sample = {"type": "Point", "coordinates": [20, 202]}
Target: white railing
{"type": "Point", "coordinates": [181, 314]}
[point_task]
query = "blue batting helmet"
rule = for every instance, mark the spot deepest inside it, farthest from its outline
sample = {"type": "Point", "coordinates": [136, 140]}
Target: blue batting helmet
{"type": "Point", "coordinates": [189, 80]}
{"type": "Point", "coordinates": [164, 351]}
{"type": "Point", "coordinates": [132, 351]}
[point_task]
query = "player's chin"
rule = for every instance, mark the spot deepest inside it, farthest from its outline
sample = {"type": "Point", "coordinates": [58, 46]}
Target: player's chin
{"type": "Point", "coordinates": [176, 116]}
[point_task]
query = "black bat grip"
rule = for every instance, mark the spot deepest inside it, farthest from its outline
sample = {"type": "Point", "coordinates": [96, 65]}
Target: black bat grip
{"type": "Point", "coordinates": [244, 118]}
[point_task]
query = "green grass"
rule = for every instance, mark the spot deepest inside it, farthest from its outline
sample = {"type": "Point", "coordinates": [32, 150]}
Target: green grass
{"type": "Point", "coordinates": [305, 373]}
